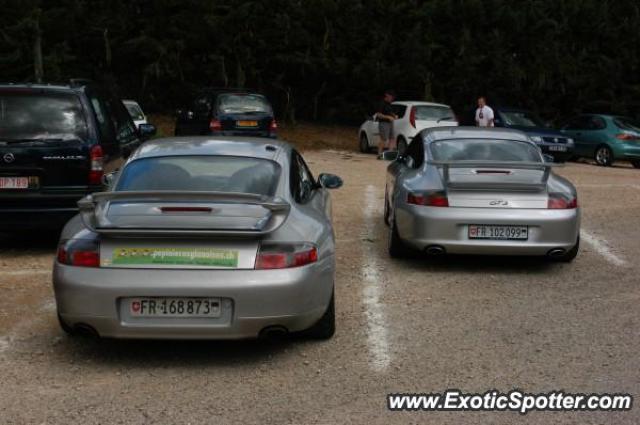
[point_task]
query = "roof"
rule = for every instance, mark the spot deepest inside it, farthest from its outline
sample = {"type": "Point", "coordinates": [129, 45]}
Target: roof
{"type": "Point", "coordinates": [418, 102]}
{"type": "Point", "coordinates": [445, 133]}
{"type": "Point", "coordinates": [254, 147]}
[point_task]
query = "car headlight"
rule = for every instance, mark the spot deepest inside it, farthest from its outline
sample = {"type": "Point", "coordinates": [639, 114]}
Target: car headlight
{"type": "Point", "coordinates": [570, 140]}
{"type": "Point", "coordinates": [537, 139]}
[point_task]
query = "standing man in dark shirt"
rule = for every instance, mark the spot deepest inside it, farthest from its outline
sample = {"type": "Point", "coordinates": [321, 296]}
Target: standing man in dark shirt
{"type": "Point", "coordinates": [385, 117]}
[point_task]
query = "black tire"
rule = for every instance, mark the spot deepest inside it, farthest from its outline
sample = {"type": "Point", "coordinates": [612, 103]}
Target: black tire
{"type": "Point", "coordinates": [571, 254]}
{"type": "Point", "coordinates": [386, 208]}
{"type": "Point", "coordinates": [364, 143]}
{"type": "Point", "coordinates": [324, 328]}
{"type": "Point", "coordinates": [65, 327]}
{"type": "Point", "coordinates": [397, 248]}
{"type": "Point", "coordinates": [402, 145]}
{"type": "Point", "coordinates": [603, 156]}
{"type": "Point", "coordinates": [635, 163]}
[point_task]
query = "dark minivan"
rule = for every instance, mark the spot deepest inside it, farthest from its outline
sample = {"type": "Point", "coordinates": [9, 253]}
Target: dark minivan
{"type": "Point", "coordinates": [227, 112]}
{"type": "Point", "coordinates": [56, 143]}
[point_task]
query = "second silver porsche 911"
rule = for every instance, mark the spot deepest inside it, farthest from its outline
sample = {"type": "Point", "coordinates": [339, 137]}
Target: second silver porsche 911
{"type": "Point", "coordinates": [479, 191]}
{"type": "Point", "coordinates": [202, 238]}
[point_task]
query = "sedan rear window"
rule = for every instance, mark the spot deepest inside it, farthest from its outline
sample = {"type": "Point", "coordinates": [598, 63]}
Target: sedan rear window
{"type": "Point", "coordinates": [34, 115]}
{"type": "Point", "coordinates": [243, 103]}
{"type": "Point", "coordinates": [433, 113]}
{"type": "Point", "coordinates": [629, 124]}
{"type": "Point", "coordinates": [484, 150]}
{"type": "Point", "coordinates": [201, 173]}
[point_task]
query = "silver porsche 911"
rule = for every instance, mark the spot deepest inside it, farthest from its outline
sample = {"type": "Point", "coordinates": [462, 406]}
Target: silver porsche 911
{"type": "Point", "coordinates": [479, 191]}
{"type": "Point", "coordinates": [202, 238]}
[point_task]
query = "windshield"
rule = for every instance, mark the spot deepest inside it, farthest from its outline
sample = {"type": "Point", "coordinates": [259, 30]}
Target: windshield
{"type": "Point", "coordinates": [243, 103]}
{"type": "Point", "coordinates": [134, 111]}
{"type": "Point", "coordinates": [201, 173]}
{"type": "Point", "coordinates": [433, 113]}
{"type": "Point", "coordinates": [484, 150]}
{"type": "Point", "coordinates": [34, 115]}
{"type": "Point", "coordinates": [629, 124]}
{"type": "Point", "coordinates": [521, 119]}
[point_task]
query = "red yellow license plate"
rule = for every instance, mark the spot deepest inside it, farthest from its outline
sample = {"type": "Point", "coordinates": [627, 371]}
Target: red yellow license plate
{"type": "Point", "coordinates": [247, 123]}
{"type": "Point", "coordinates": [15, 182]}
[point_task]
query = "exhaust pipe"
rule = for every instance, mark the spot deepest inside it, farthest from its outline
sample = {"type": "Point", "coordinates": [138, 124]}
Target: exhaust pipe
{"type": "Point", "coordinates": [273, 333]}
{"type": "Point", "coordinates": [556, 253]}
{"type": "Point", "coordinates": [435, 250]}
{"type": "Point", "coordinates": [83, 329]}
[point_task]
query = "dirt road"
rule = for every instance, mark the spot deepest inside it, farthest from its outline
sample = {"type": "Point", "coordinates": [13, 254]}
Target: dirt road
{"type": "Point", "coordinates": [403, 326]}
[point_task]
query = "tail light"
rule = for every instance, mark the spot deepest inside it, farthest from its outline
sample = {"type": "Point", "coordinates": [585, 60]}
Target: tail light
{"type": "Point", "coordinates": [559, 201]}
{"type": "Point", "coordinates": [96, 156]}
{"type": "Point", "coordinates": [412, 117]}
{"type": "Point", "coordinates": [273, 127]}
{"type": "Point", "coordinates": [79, 253]}
{"type": "Point", "coordinates": [432, 199]}
{"type": "Point", "coordinates": [627, 136]}
{"type": "Point", "coordinates": [284, 256]}
{"type": "Point", "coordinates": [215, 125]}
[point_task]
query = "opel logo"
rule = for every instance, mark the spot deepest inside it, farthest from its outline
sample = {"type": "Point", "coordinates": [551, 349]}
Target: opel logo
{"type": "Point", "coordinates": [499, 202]}
{"type": "Point", "coordinates": [9, 158]}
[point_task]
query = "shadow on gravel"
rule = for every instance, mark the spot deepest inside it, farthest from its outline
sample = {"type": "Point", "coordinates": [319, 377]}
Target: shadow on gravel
{"type": "Point", "coordinates": [481, 264]}
{"type": "Point", "coordinates": [142, 354]}
{"type": "Point", "coordinates": [42, 241]}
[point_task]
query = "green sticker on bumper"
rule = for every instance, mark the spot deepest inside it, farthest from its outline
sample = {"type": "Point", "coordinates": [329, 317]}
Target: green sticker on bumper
{"type": "Point", "coordinates": [175, 257]}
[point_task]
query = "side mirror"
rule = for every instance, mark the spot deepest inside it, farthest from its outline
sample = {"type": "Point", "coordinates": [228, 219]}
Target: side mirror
{"type": "Point", "coordinates": [548, 158]}
{"type": "Point", "coordinates": [107, 179]}
{"type": "Point", "coordinates": [146, 130]}
{"type": "Point", "coordinates": [390, 155]}
{"type": "Point", "coordinates": [329, 181]}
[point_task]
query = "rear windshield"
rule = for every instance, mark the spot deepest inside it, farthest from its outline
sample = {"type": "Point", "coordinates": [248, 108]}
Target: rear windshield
{"type": "Point", "coordinates": [201, 173]}
{"type": "Point", "coordinates": [522, 119]}
{"type": "Point", "coordinates": [243, 103]}
{"type": "Point", "coordinates": [434, 113]}
{"type": "Point", "coordinates": [134, 111]}
{"type": "Point", "coordinates": [625, 123]}
{"type": "Point", "coordinates": [484, 150]}
{"type": "Point", "coordinates": [41, 116]}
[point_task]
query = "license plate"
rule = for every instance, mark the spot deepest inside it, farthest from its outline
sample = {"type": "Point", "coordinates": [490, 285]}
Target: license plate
{"type": "Point", "coordinates": [14, 182]}
{"type": "Point", "coordinates": [557, 148]}
{"type": "Point", "coordinates": [174, 307]}
{"type": "Point", "coordinates": [498, 232]}
{"type": "Point", "coordinates": [247, 123]}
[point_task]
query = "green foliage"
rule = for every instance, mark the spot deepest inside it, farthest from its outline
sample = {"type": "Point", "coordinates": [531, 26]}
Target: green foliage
{"type": "Point", "coordinates": [330, 59]}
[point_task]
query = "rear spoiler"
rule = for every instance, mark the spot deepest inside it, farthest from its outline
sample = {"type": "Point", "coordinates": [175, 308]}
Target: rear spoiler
{"type": "Point", "coordinates": [94, 209]}
{"type": "Point", "coordinates": [498, 165]}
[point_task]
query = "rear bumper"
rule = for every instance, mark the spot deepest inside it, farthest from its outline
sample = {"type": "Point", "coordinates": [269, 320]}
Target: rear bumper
{"type": "Point", "coordinates": [548, 148]}
{"type": "Point", "coordinates": [246, 133]}
{"type": "Point", "coordinates": [627, 151]}
{"type": "Point", "coordinates": [421, 227]}
{"type": "Point", "coordinates": [251, 299]}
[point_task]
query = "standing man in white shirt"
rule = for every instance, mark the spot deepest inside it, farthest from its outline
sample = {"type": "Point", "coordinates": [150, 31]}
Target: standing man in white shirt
{"type": "Point", "coordinates": [484, 114]}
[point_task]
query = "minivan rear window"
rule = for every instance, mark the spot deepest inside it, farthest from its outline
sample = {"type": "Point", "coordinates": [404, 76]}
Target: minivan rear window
{"type": "Point", "coordinates": [36, 115]}
{"type": "Point", "coordinates": [243, 103]}
{"type": "Point", "coordinates": [229, 174]}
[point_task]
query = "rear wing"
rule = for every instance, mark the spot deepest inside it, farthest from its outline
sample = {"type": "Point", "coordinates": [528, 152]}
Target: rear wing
{"type": "Point", "coordinates": [189, 213]}
{"type": "Point", "coordinates": [545, 167]}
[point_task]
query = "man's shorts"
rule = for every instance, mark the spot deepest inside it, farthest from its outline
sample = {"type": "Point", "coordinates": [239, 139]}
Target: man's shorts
{"type": "Point", "coordinates": [386, 130]}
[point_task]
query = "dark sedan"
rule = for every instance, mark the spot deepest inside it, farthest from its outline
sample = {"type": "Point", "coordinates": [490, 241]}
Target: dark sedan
{"type": "Point", "coordinates": [552, 142]}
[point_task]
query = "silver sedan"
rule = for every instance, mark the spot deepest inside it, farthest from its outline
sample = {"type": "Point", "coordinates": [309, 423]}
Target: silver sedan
{"type": "Point", "coordinates": [479, 191]}
{"type": "Point", "coordinates": [202, 238]}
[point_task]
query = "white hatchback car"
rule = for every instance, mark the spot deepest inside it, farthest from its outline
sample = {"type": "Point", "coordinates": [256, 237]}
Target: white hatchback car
{"type": "Point", "coordinates": [412, 118]}
{"type": "Point", "coordinates": [137, 115]}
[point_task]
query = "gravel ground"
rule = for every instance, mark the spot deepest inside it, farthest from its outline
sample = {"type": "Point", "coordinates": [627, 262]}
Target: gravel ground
{"type": "Point", "coordinates": [403, 326]}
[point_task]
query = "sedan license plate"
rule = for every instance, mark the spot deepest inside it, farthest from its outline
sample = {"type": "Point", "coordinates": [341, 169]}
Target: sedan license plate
{"type": "Point", "coordinates": [247, 123]}
{"type": "Point", "coordinates": [557, 148]}
{"type": "Point", "coordinates": [174, 307]}
{"type": "Point", "coordinates": [520, 233]}
{"type": "Point", "coordinates": [14, 182]}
